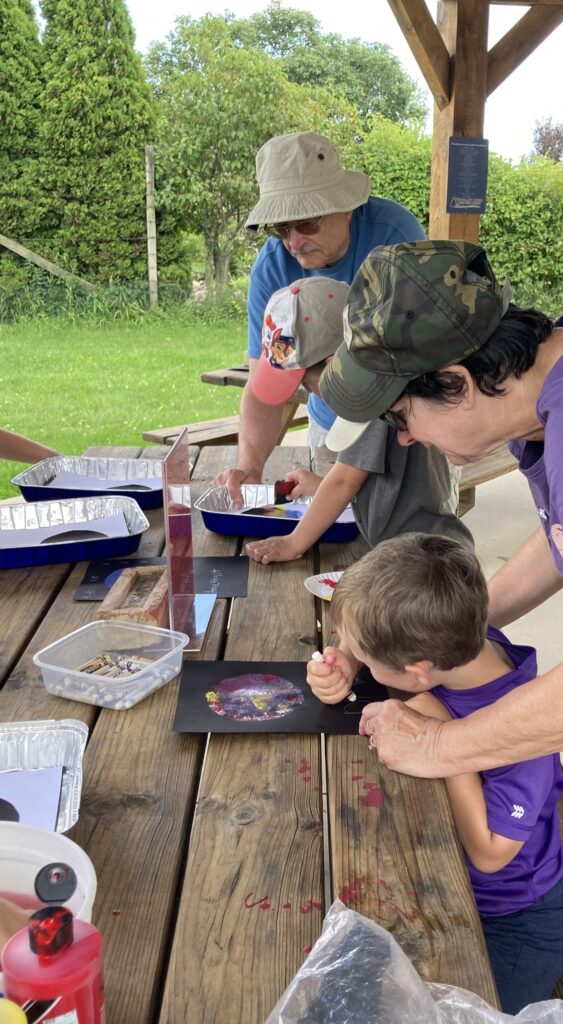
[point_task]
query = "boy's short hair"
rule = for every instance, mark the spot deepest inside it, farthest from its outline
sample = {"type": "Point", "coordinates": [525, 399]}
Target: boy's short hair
{"type": "Point", "coordinates": [415, 597]}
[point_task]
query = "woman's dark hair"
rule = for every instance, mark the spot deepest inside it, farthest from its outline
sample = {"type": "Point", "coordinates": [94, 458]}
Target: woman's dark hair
{"type": "Point", "coordinates": [509, 352]}
{"type": "Point", "coordinates": [7, 811]}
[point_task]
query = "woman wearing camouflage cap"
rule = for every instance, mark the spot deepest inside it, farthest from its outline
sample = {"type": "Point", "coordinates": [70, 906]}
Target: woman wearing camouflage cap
{"type": "Point", "coordinates": [434, 345]}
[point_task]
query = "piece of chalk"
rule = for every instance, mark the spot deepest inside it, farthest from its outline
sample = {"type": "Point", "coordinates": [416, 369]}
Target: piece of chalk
{"type": "Point", "coordinates": [352, 696]}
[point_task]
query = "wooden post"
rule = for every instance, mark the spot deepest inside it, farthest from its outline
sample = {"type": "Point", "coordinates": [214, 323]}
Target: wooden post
{"type": "Point", "coordinates": [151, 227]}
{"type": "Point", "coordinates": [463, 28]}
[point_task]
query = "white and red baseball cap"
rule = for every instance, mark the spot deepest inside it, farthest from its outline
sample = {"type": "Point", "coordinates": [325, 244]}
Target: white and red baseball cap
{"type": "Point", "coordinates": [302, 325]}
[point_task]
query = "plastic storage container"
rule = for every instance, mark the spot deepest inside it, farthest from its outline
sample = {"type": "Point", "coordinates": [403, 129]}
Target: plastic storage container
{"type": "Point", "coordinates": [60, 661]}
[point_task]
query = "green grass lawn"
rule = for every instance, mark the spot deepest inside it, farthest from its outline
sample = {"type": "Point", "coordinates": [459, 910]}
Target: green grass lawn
{"type": "Point", "coordinates": [71, 385]}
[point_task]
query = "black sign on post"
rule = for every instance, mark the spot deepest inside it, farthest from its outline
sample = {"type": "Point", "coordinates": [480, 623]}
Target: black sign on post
{"type": "Point", "coordinates": [467, 175]}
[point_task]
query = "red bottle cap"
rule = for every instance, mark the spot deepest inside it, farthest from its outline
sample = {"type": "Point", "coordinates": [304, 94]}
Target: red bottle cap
{"type": "Point", "coordinates": [50, 930]}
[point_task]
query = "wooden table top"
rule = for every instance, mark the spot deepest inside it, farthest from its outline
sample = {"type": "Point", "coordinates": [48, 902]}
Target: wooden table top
{"type": "Point", "coordinates": [217, 857]}
{"type": "Point", "coordinates": [237, 376]}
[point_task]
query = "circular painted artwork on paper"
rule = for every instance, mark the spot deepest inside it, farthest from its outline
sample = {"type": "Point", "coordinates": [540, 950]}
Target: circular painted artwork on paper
{"type": "Point", "coordinates": [254, 697]}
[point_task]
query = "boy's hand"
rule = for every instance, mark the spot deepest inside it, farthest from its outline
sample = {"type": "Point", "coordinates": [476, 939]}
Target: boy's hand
{"type": "Point", "coordinates": [306, 483]}
{"type": "Point", "coordinates": [273, 549]}
{"type": "Point", "coordinates": [331, 679]}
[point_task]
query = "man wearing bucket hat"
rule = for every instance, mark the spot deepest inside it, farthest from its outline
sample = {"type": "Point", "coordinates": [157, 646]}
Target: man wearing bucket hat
{"type": "Point", "coordinates": [392, 489]}
{"type": "Point", "coordinates": [321, 221]}
{"type": "Point", "coordinates": [433, 344]}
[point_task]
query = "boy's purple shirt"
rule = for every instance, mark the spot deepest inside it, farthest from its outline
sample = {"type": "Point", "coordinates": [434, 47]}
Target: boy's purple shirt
{"type": "Point", "coordinates": [521, 800]}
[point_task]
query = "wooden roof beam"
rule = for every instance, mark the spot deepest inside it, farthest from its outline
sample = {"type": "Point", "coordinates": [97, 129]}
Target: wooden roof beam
{"type": "Point", "coordinates": [427, 45]}
{"type": "Point", "coordinates": [520, 41]}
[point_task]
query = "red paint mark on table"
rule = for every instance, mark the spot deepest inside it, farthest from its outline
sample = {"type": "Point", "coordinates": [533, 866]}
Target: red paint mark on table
{"type": "Point", "coordinates": [304, 766]}
{"type": "Point", "coordinates": [357, 778]}
{"type": "Point", "coordinates": [286, 906]}
{"type": "Point", "coordinates": [360, 761]}
{"type": "Point", "coordinates": [308, 906]}
{"type": "Point", "coordinates": [353, 891]}
{"type": "Point", "coordinates": [307, 949]}
{"type": "Point", "coordinates": [374, 795]}
{"type": "Point", "coordinates": [250, 902]}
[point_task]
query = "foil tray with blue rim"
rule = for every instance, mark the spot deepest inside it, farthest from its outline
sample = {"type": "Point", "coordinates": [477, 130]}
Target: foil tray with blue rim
{"type": "Point", "coordinates": [260, 516]}
{"type": "Point", "coordinates": [72, 530]}
{"type": "Point", "coordinates": [73, 476]}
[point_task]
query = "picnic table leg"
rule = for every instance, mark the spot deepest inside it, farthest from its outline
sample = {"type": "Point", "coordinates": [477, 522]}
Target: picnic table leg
{"type": "Point", "coordinates": [288, 413]}
{"type": "Point", "coordinates": [466, 501]}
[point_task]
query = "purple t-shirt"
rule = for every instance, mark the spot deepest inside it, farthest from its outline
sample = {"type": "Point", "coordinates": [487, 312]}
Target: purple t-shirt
{"type": "Point", "coordinates": [541, 462]}
{"type": "Point", "coordinates": [521, 800]}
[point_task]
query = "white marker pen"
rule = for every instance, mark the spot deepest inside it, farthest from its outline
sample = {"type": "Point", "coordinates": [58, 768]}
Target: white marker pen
{"type": "Point", "coordinates": [317, 656]}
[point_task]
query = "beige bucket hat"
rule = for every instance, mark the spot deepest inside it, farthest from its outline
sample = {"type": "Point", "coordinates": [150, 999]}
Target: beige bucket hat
{"type": "Point", "coordinates": [300, 176]}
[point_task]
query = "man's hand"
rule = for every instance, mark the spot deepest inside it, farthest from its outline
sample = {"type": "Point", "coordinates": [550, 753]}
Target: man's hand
{"type": "Point", "coordinates": [405, 740]}
{"type": "Point", "coordinates": [331, 679]}
{"type": "Point", "coordinates": [233, 479]}
{"type": "Point", "coordinates": [273, 549]}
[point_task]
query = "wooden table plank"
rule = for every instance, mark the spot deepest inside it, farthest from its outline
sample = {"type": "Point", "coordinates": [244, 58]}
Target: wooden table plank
{"type": "Point", "coordinates": [256, 850]}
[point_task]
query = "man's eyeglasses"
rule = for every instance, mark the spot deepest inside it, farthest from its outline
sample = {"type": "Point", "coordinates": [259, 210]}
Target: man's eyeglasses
{"type": "Point", "coordinates": [302, 227]}
{"type": "Point", "coordinates": [397, 420]}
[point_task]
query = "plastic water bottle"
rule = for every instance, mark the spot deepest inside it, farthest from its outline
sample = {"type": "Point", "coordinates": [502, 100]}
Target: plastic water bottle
{"type": "Point", "coordinates": [57, 958]}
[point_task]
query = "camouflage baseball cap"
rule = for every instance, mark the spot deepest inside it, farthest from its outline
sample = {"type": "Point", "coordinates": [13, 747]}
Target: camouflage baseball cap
{"type": "Point", "coordinates": [412, 308]}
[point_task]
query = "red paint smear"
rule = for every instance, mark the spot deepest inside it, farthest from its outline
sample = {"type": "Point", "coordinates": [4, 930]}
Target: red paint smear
{"type": "Point", "coordinates": [286, 906]}
{"type": "Point", "coordinates": [361, 761]}
{"type": "Point", "coordinates": [307, 949]}
{"type": "Point", "coordinates": [352, 892]}
{"type": "Point", "coordinates": [115, 912]}
{"type": "Point", "coordinates": [306, 778]}
{"type": "Point", "coordinates": [304, 766]}
{"type": "Point", "coordinates": [264, 906]}
{"type": "Point", "coordinates": [374, 798]}
{"type": "Point", "coordinates": [308, 906]}
{"type": "Point", "coordinates": [412, 894]}
{"type": "Point", "coordinates": [381, 881]}
{"type": "Point", "coordinates": [249, 902]}
{"type": "Point", "coordinates": [357, 778]}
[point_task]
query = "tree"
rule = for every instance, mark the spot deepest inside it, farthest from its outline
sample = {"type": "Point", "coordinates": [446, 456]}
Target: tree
{"type": "Point", "coordinates": [219, 104]}
{"type": "Point", "coordinates": [368, 75]}
{"type": "Point", "coordinates": [548, 139]}
{"type": "Point", "coordinates": [21, 82]}
{"type": "Point", "coordinates": [97, 116]}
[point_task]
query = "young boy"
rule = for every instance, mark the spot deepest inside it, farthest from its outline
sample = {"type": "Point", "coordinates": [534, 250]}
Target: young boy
{"type": "Point", "coordinates": [414, 611]}
{"type": "Point", "coordinates": [392, 489]}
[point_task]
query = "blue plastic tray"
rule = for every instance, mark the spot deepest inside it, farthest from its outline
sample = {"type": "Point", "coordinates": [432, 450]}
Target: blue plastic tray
{"type": "Point", "coordinates": [219, 517]}
{"type": "Point", "coordinates": [36, 483]}
{"type": "Point", "coordinates": [77, 513]}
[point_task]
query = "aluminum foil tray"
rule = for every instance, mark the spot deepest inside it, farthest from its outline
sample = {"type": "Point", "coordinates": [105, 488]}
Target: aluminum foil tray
{"type": "Point", "coordinates": [219, 516]}
{"type": "Point", "coordinates": [45, 744]}
{"type": "Point", "coordinates": [75, 513]}
{"type": "Point", "coordinates": [127, 477]}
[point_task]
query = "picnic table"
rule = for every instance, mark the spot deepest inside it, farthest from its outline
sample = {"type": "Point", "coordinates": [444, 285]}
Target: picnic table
{"type": "Point", "coordinates": [218, 856]}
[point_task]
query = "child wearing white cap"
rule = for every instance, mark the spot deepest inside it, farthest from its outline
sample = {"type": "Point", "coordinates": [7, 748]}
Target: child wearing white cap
{"type": "Point", "coordinates": [392, 489]}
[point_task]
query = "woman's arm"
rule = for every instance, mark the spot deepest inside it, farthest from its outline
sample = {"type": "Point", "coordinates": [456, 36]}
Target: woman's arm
{"type": "Point", "coordinates": [527, 723]}
{"type": "Point", "coordinates": [529, 577]}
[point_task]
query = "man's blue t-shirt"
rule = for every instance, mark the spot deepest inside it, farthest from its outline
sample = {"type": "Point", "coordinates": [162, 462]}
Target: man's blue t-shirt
{"type": "Point", "coordinates": [377, 222]}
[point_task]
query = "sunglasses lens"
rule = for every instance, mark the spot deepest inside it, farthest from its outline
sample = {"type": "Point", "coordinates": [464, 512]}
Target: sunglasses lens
{"type": "Point", "coordinates": [302, 227]}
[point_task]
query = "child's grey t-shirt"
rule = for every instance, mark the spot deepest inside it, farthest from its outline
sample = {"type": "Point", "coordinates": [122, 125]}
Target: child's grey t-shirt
{"type": "Point", "coordinates": [408, 488]}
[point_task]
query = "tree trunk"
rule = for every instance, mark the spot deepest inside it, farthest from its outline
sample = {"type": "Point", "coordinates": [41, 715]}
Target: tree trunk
{"type": "Point", "coordinates": [221, 261]}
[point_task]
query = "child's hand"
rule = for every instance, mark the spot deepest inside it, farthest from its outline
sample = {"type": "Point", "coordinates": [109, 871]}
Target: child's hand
{"type": "Point", "coordinates": [306, 483]}
{"type": "Point", "coordinates": [273, 549]}
{"type": "Point", "coordinates": [331, 679]}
